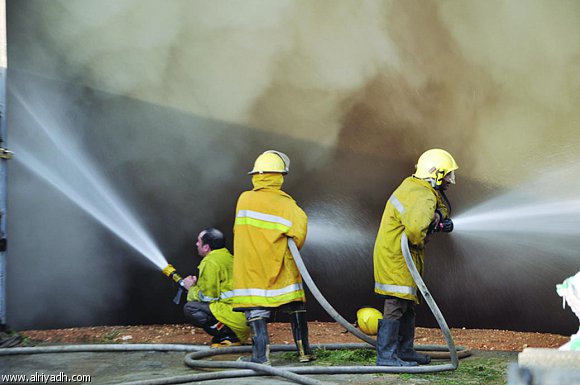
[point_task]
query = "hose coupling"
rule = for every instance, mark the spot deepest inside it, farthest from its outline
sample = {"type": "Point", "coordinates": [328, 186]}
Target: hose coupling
{"type": "Point", "coordinates": [170, 271]}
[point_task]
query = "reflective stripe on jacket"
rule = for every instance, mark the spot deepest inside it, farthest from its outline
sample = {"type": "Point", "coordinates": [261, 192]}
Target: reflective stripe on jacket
{"type": "Point", "coordinates": [411, 208]}
{"type": "Point", "coordinates": [215, 285]}
{"type": "Point", "coordinates": [265, 274]}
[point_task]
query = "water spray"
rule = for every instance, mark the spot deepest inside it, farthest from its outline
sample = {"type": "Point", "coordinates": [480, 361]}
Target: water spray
{"type": "Point", "coordinates": [170, 271]}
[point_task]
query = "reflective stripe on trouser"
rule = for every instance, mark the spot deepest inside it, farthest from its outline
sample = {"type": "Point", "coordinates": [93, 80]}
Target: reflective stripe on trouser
{"type": "Point", "coordinates": [257, 313]}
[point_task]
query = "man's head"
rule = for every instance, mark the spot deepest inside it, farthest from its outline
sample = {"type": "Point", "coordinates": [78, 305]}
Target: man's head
{"type": "Point", "coordinates": [437, 167]}
{"type": "Point", "coordinates": [208, 240]}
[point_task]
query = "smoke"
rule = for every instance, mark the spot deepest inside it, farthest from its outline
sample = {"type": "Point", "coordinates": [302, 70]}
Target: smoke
{"type": "Point", "coordinates": [271, 65]}
{"type": "Point", "coordinates": [426, 74]}
{"type": "Point", "coordinates": [178, 97]}
{"type": "Point", "coordinates": [531, 55]}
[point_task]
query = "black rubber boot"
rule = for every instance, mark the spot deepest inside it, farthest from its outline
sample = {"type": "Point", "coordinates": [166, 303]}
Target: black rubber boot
{"type": "Point", "coordinates": [406, 340]}
{"type": "Point", "coordinates": [213, 327]}
{"type": "Point", "coordinates": [224, 337]}
{"type": "Point", "coordinates": [300, 334]}
{"type": "Point", "coordinates": [261, 342]}
{"type": "Point", "coordinates": [387, 344]}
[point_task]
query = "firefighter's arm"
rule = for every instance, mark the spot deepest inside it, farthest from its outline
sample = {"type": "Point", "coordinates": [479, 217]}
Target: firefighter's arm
{"type": "Point", "coordinates": [299, 226]}
{"type": "Point", "coordinates": [209, 280]}
{"type": "Point", "coordinates": [417, 219]}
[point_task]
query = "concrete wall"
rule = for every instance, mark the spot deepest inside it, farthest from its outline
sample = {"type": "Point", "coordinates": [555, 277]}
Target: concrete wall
{"type": "Point", "coordinates": [171, 101]}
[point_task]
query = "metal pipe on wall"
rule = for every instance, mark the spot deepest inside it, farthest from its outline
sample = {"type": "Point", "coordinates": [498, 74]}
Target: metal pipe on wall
{"type": "Point", "coordinates": [4, 156]}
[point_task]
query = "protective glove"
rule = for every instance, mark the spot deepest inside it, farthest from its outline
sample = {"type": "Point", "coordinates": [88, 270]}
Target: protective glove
{"type": "Point", "coordinates": [444, 226]}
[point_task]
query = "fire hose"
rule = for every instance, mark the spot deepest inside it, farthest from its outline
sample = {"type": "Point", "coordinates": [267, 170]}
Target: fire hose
{"type": "Point", "coordinates": [246, 369]}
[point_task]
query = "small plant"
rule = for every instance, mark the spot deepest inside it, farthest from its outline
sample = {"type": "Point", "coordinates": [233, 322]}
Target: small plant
{"type": "Point", "coordinates": [27, 341]}
{"type": "Point", "coordinates": [110, 336]}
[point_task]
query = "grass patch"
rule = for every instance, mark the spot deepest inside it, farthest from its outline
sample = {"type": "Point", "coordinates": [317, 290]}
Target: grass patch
{"type": "Point", "coordinates": [340, 357]}
{"type": "Point", "coordinates": [473, 370]}
{"type": "Point", "coordinates": [488, 369]}
{"type": "Point", "coordinates": [110, 336]}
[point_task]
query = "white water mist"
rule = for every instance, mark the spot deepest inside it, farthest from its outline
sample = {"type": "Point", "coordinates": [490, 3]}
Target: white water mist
{"type": "Point", "coordinates": [73, 174]}
{"type": "Point", "coordinates": [543, 215]}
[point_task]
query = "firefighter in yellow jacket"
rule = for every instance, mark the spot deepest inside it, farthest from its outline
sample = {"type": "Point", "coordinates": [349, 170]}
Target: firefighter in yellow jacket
{"type": "Point", "coordinates": [209, 297]}
{"type": "Point", "coordinates": [418, 207]}
{"type": "Point", "coordinates": [265, 274]}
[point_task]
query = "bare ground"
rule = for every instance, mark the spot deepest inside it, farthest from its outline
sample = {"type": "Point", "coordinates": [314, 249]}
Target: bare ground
{"type": "Point", "coordinates": [280, 333]}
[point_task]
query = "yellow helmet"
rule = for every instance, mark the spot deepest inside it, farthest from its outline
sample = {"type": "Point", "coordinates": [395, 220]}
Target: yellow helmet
{"type": "Point", "coordinates": [435, 164]}
{"type": "Point", "coordinates": [368, 320]}
{"type": "Point", "coordinates": [271, 161]}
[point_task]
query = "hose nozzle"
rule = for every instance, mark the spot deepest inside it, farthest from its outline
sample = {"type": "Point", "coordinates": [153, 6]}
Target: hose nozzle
{"type": "Point", "coordinates": [170, 271]}
{"type": "Point", "coordinates": [445, 226]}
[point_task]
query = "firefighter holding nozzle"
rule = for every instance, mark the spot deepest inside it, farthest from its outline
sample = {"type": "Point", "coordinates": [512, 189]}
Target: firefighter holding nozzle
{"type": "Point", "coordinates": [418, 207]}
{"type": "Point", "coordinates": [266, 277]}
{"type": "Point", "coordinates": [209, 297]}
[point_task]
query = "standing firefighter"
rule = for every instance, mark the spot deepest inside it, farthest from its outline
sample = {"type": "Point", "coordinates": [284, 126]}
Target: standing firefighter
{"type": "Point", "coordinates": [417, 207]}
{"type": "Point", "coordinates": [265, 274]}
{"type": "Point", "coordinates": [209, 297]}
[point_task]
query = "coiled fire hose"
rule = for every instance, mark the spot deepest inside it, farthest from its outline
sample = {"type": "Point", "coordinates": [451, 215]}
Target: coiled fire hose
{"type": "Point", "coordinates": [357, 332]}
{"type": "Point", "coordinates": [247, 369]}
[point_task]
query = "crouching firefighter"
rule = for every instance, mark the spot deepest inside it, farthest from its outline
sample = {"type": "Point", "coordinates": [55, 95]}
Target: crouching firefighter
{"type": "Point", "coordinates": [209, 297]}
{"type": "Point", "coordinates": [266, 277]}
{"type": "Point", "coordinates": [418, 207]}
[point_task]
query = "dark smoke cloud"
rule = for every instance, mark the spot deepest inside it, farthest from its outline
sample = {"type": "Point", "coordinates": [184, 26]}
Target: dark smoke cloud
{"type": "Point", "coordinates": [420, 74]}
{"type": "Point", "coordinates": [174, 100]}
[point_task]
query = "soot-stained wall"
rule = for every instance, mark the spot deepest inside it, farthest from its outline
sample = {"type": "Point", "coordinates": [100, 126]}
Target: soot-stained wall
{"type": "Point", "coordinates": [168, 104]}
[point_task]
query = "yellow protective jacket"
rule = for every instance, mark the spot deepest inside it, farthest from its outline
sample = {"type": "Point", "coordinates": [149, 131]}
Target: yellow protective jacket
{"type": "Point", "coordinates": [265, 274]}
{"type": "Point", "coordinates": [410, 209]}
{"type": "Point", "coordinates": [214, 285]}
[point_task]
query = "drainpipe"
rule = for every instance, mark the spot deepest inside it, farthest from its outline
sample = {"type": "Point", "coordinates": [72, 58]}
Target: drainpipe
{"type": "Point", "coordinates": [4, 156]}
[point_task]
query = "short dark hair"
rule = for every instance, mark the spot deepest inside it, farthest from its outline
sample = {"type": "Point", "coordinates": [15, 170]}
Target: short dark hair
{"type": "Point", "coordinates": [213, 238]}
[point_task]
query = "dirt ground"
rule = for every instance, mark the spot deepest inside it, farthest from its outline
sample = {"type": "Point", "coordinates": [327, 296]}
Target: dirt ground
{"type": "Point", "coordinates": [280, 333]}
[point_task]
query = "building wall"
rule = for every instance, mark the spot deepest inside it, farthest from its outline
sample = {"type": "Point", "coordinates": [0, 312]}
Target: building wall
{"type": "Point", "coordinates": [169, 103]}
